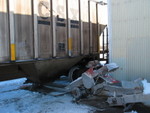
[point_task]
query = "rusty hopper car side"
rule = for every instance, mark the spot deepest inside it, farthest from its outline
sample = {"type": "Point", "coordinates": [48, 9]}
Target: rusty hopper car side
{"type": "Point", "coordinates": [42, 39]}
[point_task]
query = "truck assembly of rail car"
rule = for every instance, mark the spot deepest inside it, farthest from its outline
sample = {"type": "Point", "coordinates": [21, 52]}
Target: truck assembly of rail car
{"type": "Point", "coordinates": [42, 39]}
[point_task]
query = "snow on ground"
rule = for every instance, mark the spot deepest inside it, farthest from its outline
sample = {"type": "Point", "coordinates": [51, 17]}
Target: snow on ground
{"type": "Point", "coordinates": [146, 90]}
{"type": "Point", "coordinates": [16, 100]}
{"type": "Point", "coordinates": [146, 86]}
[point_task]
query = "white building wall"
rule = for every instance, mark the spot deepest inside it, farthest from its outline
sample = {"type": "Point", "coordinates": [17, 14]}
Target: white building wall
{"type": "Point", "coordinates": [129, 35]}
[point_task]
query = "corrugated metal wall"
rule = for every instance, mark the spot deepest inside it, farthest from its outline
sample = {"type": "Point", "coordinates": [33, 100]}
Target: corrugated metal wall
{"type": "Point", "coordinates": [129, 23]}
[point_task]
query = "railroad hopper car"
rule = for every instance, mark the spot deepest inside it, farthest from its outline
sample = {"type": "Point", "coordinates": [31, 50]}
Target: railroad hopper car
{"type": "Point", "coordinates": [42, 39]}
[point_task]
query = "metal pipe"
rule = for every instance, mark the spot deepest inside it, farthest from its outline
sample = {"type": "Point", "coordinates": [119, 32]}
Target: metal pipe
{"type": "Point", "coordinates": [103, 44]}
{"type": "Point", "coordinates": [107, 45]}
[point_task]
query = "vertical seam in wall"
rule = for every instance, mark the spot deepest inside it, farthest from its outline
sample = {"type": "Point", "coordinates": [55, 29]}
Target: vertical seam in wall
{"type": "Point", "coordinates": [110, 30]}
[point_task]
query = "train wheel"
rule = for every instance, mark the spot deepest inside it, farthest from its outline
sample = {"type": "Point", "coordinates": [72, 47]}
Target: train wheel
{"type": "Point", "coordinates": [72, 73]}
{"type": "Point", "coordinates": [76, 93]}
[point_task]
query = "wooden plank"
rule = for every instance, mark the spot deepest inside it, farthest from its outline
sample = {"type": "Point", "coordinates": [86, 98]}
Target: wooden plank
{"type": "Point", "coordinates": [23, 29]}
{"type": "Point", "coordinates": [76, 83]}
{"type": "Point", "coordinates": [126, 99]}
{"type": "Point", "coordinates": [44, 29]}
{"type": "Point", "coordinates": [120, 90]}
{"type": "Point", "coordinates": [4, 32]}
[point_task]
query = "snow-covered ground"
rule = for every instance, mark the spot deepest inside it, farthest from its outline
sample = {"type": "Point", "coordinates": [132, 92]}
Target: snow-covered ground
{"type": "Point", "coordinates": [16, 100]}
